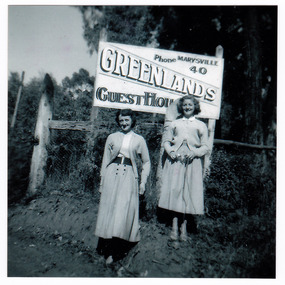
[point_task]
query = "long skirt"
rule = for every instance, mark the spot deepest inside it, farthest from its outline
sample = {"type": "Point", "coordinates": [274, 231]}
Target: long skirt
{"type": "Point", "coordinates": [182, 187]}
{"type": "Point", "coordinates": [118, 214]}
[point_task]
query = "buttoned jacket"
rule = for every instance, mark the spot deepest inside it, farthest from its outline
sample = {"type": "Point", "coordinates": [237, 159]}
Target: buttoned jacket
{"type": "Point", "coordinates": [138, 151]}
{"type": "Point", "coordinates": [195, 133]}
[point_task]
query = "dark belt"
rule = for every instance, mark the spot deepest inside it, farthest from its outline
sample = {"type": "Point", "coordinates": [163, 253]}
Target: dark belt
{"type": "Point", "coordinates": [121, 160]}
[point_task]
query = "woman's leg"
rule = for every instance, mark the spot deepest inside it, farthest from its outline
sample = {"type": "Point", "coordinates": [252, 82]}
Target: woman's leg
{"type": "Point", "coordinates": [104, 247]}
{"type": "Point", "coordinates": [174, 232]}
{"type": "Point", "coordinates": [183, 231]}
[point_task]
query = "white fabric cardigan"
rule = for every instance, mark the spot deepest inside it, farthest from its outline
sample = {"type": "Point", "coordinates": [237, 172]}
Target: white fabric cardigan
{"type": "Point", "coordinates": [137, 147]}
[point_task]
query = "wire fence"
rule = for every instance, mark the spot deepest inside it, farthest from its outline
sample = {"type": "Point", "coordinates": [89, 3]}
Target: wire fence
{"type": "Point", "coordinates": [74, 158]}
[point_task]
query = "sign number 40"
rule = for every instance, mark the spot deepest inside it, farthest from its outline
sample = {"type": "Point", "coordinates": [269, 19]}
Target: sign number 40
{"type": "Point", "coordinates": [201, 70]}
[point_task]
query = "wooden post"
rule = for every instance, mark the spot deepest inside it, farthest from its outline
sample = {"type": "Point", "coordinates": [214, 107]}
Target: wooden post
{"type": "Point", "coordinates": [154, 118]}
{"type": "Point", "coordinates": [17, 101]}
{"type": "Point", "coordinates": [211, 126]}
{"type": "Point", "coordinates": [91, 138]}
{"type": "Point", "coordinates": [42, 135]}
{"type": "Point", "coordinates": [95, 110]}
{"type": "Point", "coordinates": [211, 134]}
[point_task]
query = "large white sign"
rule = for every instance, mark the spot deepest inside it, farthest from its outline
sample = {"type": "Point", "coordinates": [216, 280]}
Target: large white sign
{"type": "Point", "coordinates": [149, 80]}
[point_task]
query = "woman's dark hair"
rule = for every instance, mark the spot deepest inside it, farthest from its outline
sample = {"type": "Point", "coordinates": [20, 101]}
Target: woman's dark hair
{"type": "Point", "coordinates": [195, 101]}
{"type": "Point", "coordinates": [126, 112]}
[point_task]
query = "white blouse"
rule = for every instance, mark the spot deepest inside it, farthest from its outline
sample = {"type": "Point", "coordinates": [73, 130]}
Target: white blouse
{"type": "Point", "coordinates": [124, 151]}
{"type": "Point", "coordinates": [192, 118]}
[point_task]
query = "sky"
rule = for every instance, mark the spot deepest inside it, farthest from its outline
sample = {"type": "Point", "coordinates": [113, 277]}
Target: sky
{"type": "Point", "coordinates": [47, 39]}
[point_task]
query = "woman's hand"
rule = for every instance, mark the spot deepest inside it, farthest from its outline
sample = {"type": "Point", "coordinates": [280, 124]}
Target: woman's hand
{"type": "Point", "coordinates": [142, 188]}
{"type": "Point", "coordinates": [101, 183]}
{"type": "Point", "coordinates": [190, 155]}
{"type": "Point", "coordinates": [111, 147]}
{"type": "Point", "coordinates": [173, 155]}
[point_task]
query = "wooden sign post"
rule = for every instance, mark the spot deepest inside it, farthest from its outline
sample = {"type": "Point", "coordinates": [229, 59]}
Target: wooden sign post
{"type": "Point", "coordinates": [211, 126]}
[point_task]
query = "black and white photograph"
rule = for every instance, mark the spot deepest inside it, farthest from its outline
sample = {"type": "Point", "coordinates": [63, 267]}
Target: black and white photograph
{"type": "Point", "coordinates": [141, 141]}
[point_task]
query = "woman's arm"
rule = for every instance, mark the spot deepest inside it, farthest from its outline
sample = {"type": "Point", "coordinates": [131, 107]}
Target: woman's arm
{"type": "Point", "coordinates": [145, 164]}
{"type": "Point", "coordinates": [107, 154]}
{"type": "Point", "coordinates": [168, 139]}
{"type": "Point", "coordinates": [204, 148]}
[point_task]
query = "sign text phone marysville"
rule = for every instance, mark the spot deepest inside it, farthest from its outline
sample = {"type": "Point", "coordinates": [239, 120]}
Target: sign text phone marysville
{"type": "Point", "coordinates": [149, 80]}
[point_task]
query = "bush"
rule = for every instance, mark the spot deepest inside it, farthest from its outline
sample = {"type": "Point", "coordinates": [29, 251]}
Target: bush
{"type": "Point", "coordinates": [240, 209]}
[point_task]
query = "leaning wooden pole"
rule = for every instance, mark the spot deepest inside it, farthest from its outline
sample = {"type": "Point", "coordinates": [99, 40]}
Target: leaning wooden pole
{"type": "Point", "coordinates": [42, 136]}
{"type": "Point", "coordinates": [17, 101]}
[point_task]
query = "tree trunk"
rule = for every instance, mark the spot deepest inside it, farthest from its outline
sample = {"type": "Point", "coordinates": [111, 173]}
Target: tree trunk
{"type": "Point", "coordinates": [42, 135]}
{"type": "Point", "coordinates": [253, 130]}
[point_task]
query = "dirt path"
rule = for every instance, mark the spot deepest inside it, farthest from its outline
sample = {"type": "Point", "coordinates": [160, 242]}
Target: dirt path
{"type": "Point", "coordinates": [49, 257]}
{"type": "Point", "coordinates": [53, 237]}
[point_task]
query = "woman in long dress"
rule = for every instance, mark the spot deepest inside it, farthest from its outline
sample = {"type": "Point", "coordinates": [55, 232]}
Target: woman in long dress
{"type": "Point", "coordinates": [186, 143]}
{"type": "Point", "coordinates": [118, 214]}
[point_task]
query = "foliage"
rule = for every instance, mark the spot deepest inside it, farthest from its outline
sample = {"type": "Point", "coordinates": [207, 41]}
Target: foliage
{"type": "Point", "coordinates": [239, 178]}
{"type": "Point", "coordinates": [125, 24]}
{"type": "Point", "coordinates": [241, 202]}
{"type": "Point", "coordinates": [73, 100]}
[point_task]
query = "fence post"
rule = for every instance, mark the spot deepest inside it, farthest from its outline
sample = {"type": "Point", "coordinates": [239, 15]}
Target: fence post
{"type": "Point", "coordinates": [211, 127]}
{"type": "Point", "coordinates": [42, 136]}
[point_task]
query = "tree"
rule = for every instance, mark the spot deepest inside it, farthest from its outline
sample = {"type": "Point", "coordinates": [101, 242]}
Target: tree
{"type": "Point", "coordinates": [247, 33]}
{"type": "Point", "coordinates": [126, 24]}
{"type": "Point", "coordinates": [74, 100]}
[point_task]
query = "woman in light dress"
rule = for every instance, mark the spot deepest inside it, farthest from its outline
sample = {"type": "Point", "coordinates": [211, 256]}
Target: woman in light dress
{"type": "Point", "coordinates": [186, 143]}
{"type": "Point", "coordinates": [118, 214]}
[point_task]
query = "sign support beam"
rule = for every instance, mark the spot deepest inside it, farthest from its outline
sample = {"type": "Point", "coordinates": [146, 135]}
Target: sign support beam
{"type": "Point", "coordinates": [211, 126]}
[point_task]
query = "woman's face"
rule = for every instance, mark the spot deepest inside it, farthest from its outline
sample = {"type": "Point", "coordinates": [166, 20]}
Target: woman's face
{"type": "Point", "coordinates": [125, 123]}
{"type": "Point", "coordinates": [188, 108]}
